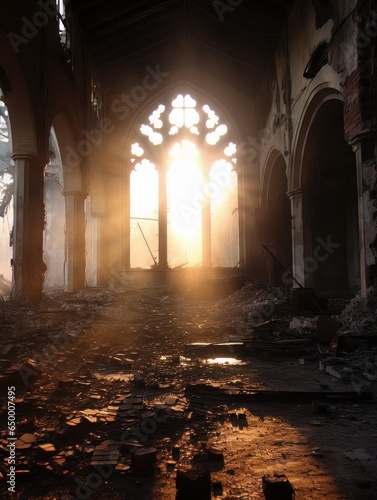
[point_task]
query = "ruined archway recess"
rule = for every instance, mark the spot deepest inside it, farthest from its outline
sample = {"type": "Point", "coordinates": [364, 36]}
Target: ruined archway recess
{"type": "Point", "coordinates": [323, 184]}
{"type": "Point", "coordinates": [298, 177]}
{"type": "Point", "coordinates": [18, 101]}
{"type": "Point", "coordinates": [30, 153]}
{"type": "Point", "coordinates": [75, 191]}
{"type": "Point", "coordinates": [274, 221]}
{"type": "Point", "coordinates": [72, 168]}
{"type": "Point", "coordinates": [273, 157]}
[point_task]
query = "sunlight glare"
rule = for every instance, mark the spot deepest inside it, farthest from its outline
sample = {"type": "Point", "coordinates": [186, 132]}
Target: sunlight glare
{"type": "Point", "coordinates": [144, 213]}
{"type": "Point", "coordinates": [185, 181]}
{"type": "Point", "coordinates": [185, 185]}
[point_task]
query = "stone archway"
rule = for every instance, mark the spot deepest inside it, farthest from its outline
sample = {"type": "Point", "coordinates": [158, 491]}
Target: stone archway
{"type": "Point", "coordinates": [276, 224]}
{"type": "Point", "coordinates": [74, 192]}
{"type": "Point", "coordinates": [30, 158]}
{"type": "Point", "coordinates": [324, 199]}
{"type": "Point", "coordinates": [330, 174]}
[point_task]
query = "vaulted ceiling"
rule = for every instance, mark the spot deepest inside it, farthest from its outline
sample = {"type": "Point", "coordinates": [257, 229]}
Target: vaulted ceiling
{"type": "Point", "coordinates": [232, 40]}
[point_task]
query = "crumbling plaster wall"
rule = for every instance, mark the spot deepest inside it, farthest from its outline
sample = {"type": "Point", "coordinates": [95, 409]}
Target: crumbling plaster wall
{"type": "Point", "coordinates": [350, 71]}
{"type": "Point", "coordinates": [292, 92]}
{"type": "Point", "coordinates": [359, 81]}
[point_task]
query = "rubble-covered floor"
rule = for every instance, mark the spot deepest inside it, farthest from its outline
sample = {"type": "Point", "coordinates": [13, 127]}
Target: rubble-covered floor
{"type": "Point", "coordinates": [116, 378]}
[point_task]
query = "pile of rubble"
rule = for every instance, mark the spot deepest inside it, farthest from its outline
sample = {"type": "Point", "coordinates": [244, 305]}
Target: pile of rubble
{"type": "Point", "coordinates": [359, 317]}
{"type": "Point", "coordinates": [140, 379]}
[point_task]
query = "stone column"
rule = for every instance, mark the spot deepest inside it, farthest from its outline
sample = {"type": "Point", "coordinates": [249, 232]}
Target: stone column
{"type": "Point", "coordinates": [29, 220]}
{"type": "Point", "coordinates": [301, 237]}
{"type": "Point", "coordinates": [97, 251]}
{"type": "Point", "coordinates": [127, 221]}
{"type": "Point", "coordinates": [241, 217]}
{"type": "Point", "coordinates": [366, 166]}
{"type": "Point", "coordinates": [206, 225]}
{"type": "Point", "coordinates": [75, 241]}
{"type": "Point", "coordinates": [162, 220]}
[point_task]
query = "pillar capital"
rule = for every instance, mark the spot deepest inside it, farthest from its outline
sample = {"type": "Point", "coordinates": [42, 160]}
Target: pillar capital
{"type": "Point", "coordinates": [98, 215]}
{"type": "Point", "coordinates": [299, 192]}
{"type": "Point", "coordinates": [34, 159]}
{"type": "Point", "coordinates": [365, 135]}
{"type": "Point", "coordinates": [78, 194]}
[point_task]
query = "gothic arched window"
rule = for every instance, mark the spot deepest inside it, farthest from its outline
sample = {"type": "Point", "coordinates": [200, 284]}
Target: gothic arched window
{"type": "Point", "coordinates": [184, 199]}
{"type": "Point", "coordinates": [6, 192]}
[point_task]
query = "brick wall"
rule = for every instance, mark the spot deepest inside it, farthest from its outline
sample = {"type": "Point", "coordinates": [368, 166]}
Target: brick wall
{"type": "Point", "coordinates": [360, 101]}
{"type": "Point", "coordinates": [360, 88]}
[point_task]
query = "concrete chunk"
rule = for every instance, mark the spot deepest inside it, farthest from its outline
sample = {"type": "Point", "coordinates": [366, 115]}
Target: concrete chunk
{"type": "Point", "coordinates": [277, 487]}
{"type": "Point", "coordinates": [193, 482]}
{"type": "Point", "coordinates": [144, 458]}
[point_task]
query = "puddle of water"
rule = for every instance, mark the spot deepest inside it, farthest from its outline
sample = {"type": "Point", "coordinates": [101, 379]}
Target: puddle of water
{"type": "Point", "coordinates": [124, 377]}
{"type": "Point", "coordinates": [225, 361]}
{"type": "Point", "coordinates": [181, 360]}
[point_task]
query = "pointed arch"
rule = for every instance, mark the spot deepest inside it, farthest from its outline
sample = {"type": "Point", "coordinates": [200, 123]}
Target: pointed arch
{"type": "Point", "coordinates": [298, 178]}
{"type": "Point", "coordinates": [324, 196]}
{"type": "Point", "coordinates": [194, 152]}
{"type": "Point", "coordinates": [274, 156]}
{"type": "Point", "coordinates": [168, 92]}
{"type": "Point", "coordinates": [275, 219]}
{"type": "Point", "coordinates": [71, 160]}
{"type": "Point", "coordinates": [18, 101]}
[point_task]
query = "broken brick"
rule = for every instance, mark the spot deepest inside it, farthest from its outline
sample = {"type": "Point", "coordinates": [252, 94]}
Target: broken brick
{"type": "Point", "coordinates": [327, 329]}
{"type": "Point", "coordinates": [277, 487]}
{"type": "Point", "coordinates": [144, 458]}
{"type": "Point", "coordinates": [193, 482]}
{"type": "Point", "coordinates": [23, 374]}
{"type": "Point", "coordinates": [215, 454]}
{"type": "Point", "coordinates": [319, 407]}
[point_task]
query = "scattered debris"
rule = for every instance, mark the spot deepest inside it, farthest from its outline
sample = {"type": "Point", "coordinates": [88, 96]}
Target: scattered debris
{"type": "Point", "coordinates": [149, 384]}
{"type": "Point", "coordinates": [21, 374]}
{"type": "Point", "coordinates": [25, 441]}
{"type": "Point", "coordinates": [106, 453]}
